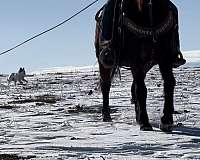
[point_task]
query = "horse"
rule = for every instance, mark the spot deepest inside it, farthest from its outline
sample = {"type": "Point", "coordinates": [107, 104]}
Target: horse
{"type": "Point", "coordinates": [142, 37]}
{"type": "Point", "coordinates": [17, 77]}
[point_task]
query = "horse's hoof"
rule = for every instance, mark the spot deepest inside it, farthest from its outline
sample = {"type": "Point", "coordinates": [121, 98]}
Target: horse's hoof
{"type": "Point", "coordinates": [166, 127]}
{"type": "Point", "coordinates": [166, 124]}
{"type": "Point", "coordinates": [146, 127]}
{"type": "Point", "coordinates": [107, 120]}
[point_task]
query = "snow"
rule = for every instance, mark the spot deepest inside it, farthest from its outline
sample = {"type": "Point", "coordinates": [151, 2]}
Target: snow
{"type": "Point", "coordinates": [192, 56]}
{"type": "Point", "coordinates": [54, 117]}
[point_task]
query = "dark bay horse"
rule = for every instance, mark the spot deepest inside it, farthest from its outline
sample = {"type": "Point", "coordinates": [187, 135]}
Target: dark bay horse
{"type": "Point", "coordinates": [142, 37]}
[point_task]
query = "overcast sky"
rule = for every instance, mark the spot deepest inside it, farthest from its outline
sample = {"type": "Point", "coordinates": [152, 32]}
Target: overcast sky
{"type": "Point", "coordinates": [73, 43]}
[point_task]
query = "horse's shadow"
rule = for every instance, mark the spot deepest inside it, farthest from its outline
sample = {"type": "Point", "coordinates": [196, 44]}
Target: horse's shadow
{"type": "Point", "coordinates": [183, 130]}
{"type": "Point", "coordinates": [189, 131]}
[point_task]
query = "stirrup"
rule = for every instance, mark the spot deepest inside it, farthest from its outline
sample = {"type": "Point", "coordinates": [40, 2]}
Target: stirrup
{"type": "Point", "coordinates": [105, 43]}
{"type": "Point", "coordinates": [178, 61]}
{"type": "Point", "coordinates": [106, 56]}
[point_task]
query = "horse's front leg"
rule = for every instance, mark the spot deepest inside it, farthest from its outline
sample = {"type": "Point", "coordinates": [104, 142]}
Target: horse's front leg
{"type": "Point", "coordinates": [169, 83]}
{"type": "Point", "coordinates": [139, 91]}
{"type": "Point", "coordinates": [105, 83]}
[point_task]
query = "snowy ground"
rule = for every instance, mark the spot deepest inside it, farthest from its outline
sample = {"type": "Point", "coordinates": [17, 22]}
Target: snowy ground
{"type": "Point", "coordinates": [57, 116]}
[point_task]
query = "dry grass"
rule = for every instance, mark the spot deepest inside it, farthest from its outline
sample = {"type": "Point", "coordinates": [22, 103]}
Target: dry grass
{"type": "Point", "coordinates": [40, 99]}
{"type": "Point", "coordinates": [14, 157]}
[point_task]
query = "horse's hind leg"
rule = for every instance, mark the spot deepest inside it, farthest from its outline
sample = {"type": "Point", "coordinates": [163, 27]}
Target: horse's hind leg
{"type": "Point", "coordinates": [169, 83]}
{"type": "Point", "coordinates": [105, 83]}
{"type": "Point", "coordinates": [139, 91]}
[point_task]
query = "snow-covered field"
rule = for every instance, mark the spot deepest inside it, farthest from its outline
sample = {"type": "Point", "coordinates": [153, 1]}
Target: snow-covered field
{"type": "Point", "coordinates": [57, 116]}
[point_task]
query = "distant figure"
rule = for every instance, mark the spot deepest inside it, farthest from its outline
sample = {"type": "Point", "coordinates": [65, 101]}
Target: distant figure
{"type": "Point", "coordinates": [17, 77]}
